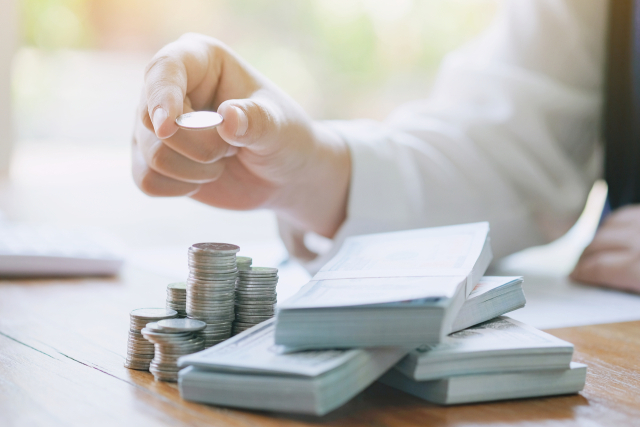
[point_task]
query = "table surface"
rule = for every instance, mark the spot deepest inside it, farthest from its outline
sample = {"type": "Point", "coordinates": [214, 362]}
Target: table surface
{"type": "Point", "coordinates": [63, 344]}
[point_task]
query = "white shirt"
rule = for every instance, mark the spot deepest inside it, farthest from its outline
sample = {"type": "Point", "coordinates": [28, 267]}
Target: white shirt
{"type": "Point", "coordinates": [510, 135]}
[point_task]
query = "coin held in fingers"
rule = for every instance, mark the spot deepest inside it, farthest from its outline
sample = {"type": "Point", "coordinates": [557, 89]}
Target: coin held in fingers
{"type": "Point", "coordinates": [199, 120]}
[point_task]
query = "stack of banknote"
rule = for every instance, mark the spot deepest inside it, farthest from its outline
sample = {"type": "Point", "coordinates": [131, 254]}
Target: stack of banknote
{"type": "Point", "coordinates": [410, 308]}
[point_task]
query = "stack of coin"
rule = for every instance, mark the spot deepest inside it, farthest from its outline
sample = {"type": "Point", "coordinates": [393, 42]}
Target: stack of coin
{"type": "Point", "coordinates": [139, 350]}
{"type": "Point", "coordinates": [172, 338]}
{"type": "Point", "coordinates": [244, 262]}
{"type": "Point", "coordinates": [177, 298]}
{"type": "Point", "coordinates": [255, 297]}
{"type": "Point", "coordinates": [211, 289]}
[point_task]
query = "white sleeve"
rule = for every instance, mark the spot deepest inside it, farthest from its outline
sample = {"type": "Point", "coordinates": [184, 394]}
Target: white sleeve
{"type": "Point", "coordinates": [510, 134]}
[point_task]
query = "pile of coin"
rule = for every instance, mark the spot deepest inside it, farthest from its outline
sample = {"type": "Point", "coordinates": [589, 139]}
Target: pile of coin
{"type": "Point", "coordinates": [139, 350]}
{"type": "Point", "coordinates": [177, 298]}
{"type": "Point", "coordinates": [255, 297]}
{"type": "Point", "coordinates": [244, 262]}
{"type": "Point", "coordinates": [172, 338]}
{"type": "Point", "coordinates": [211, 289]}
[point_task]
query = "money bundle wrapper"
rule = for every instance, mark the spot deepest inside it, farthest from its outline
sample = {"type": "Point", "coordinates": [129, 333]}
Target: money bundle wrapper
{"type": "Point", "coordinates": [390, 289]}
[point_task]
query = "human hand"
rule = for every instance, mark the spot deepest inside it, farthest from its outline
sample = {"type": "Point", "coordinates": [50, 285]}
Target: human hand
{"type": "Point", "coordinates": [613, 257]}
{"type": "Point", "coordinates": [267, 153]}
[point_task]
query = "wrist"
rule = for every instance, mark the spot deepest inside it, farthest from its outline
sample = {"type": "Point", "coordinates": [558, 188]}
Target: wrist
{"type": "Point", "coordinates": [317, 195]}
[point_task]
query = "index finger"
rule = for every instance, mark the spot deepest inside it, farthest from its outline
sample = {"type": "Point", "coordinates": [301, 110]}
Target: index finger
{"type": "Point", "coordinates": [175, 70]}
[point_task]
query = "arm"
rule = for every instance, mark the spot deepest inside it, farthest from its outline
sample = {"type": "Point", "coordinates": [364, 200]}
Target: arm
{"type": "Point", "coordinates": [509, 135]}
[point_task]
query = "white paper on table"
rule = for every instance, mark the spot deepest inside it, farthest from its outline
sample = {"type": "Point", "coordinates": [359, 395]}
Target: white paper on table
{"type": "Point", "coordinates": [556, 302]}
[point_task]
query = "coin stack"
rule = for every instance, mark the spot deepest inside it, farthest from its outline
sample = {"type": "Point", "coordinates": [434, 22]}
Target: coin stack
{"type": "Point", "coordinates": [211, 289]}
{"type": "Point", "coordinates": [255, 297]}
{"type": "Point", "coordinates": [139, 350]}
{"type": "Point", "coordinates": [172, 338]}
{"type": "Point", "coordinates": [177, 298]}
{"type": "Point", "coordinates": [244, 262]}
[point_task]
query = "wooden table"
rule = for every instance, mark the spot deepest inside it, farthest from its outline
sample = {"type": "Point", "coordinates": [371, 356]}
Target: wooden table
{"type": "Point", "coordinates": [63, 344]}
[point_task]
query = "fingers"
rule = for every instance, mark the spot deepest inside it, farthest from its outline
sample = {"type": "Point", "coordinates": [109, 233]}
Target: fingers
{"type": "Point", "coordinates": [617, 269]}
{"type": "Point", "coordinates": [613, 257]}
{"type": "Point", "coordinates": [201, 146]}
{"type": "Point", "coordinates": [154, 184]}
{"type": "Point", "coordinates": [254, 123]}
{"type": "Point", "coordinates": [174, 71]}
{"type": "Point", "coordinates": [161, 158]}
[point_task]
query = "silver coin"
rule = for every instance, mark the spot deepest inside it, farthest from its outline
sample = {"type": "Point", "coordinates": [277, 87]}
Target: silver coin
{"type": "Point", "coordinates": [153, 326]}
{"type": "Point", "coordinates": [211, 288]}
{"type": "Point", "coordinates": [216, 329]}
{"type": "Point", "coordinates": [255, 283]}
{"type": "Point", "coordinates": [177, 286]}
{"type": "Point", "coordinates": [220, 299]}
{"type": "Point", "coordinates": [213, 279]}
{"type": "Point", "coordinates": [211, 270]}
{"type": "Point", "coordinates": [257, 279]}
{"type": "Point", "coordinates": [132, 348]}
{"type": "Point", "coordinates": [136, 367]}
{"type": "Point", "coordinates": [179, 307]}
{"type": "Point", "coordinates": [140, 344]}
{"type": "Point", "coordinates": [152, 313]}
{"type": "Point", "coordinates": [212, 298]}
{"type": "Point", "coordinates": [211, 262]}
{"type": "Point", "coordinates": [210, 315]}
{"type": "Point", "coordinates": [255, 309]}
{"type": "Point", "coordinates": [199, 120]}
{"type": "Point", "coordinates": [165, 337]}
{"type": "Point", "coordinates": [178, 352]}
{"type": "Point", "coordinates": [208, 250]}
{"type": "Point", "coordinates": [247, 325]}
{"type": "Point", "coordinates": [215, 248]}
{"type": "Point", "coordinates": [212, 319]}
{"type": "Point", "coordinates": [256, 294]}
{"type": "Point", "coordinates": [248, 303]}
{"type": "Point", "coordinates": [139, 358]}
{"type": "Point", "coordinates": [211, 306]}
{"type": "Point", "coordinates": [182, 325]}
{"type": "Point", "coordinates": [173, 349]}
{"type": "Point", "coordinates": [140, 352]}
{"type": "Point", "coordinates": [252, 318]}
{"type": "Point", "coordinates": [261, 271]}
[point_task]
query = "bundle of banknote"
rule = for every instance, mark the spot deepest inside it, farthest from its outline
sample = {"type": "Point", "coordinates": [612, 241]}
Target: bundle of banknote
{"type": "Point", "coordinates": [410, 308]}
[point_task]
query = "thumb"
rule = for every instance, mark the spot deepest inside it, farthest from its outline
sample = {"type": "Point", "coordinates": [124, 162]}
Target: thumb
{"type": "Point", "coordinates": [251, 123]}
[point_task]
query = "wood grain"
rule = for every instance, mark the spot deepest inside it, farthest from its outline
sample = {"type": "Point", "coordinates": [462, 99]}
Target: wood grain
{"type": "Point", "coordinates": [63, 344]}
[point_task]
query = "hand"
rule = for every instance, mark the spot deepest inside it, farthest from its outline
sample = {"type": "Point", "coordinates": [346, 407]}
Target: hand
{"type": "Point", "coordinates": [613, 257]}
{"type": "Point", "coordinates": [266, 154]}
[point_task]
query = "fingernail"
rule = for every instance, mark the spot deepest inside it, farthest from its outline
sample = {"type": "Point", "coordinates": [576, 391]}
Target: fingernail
{"type": "Point", "coordinates": [243, 122]}
{"type": "Point", "coordinates": [159, 116]}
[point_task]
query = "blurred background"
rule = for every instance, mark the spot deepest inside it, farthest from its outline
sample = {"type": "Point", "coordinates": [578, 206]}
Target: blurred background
{"type": "Point", "coordinates": [77, 70]}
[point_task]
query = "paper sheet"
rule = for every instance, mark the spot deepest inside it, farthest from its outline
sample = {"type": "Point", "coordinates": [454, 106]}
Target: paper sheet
{"type": "Point", "coordinates": [555, 302]}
